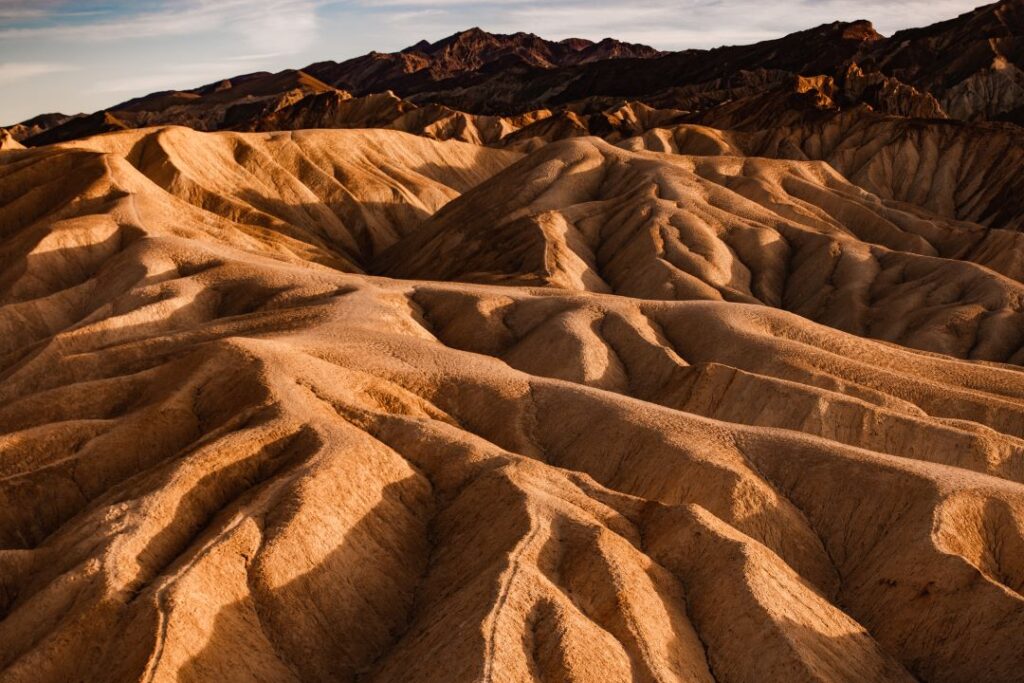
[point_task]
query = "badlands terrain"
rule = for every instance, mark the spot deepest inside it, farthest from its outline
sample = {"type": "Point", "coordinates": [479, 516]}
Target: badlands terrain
{"type": "Point", "coordinates": [505, 359]}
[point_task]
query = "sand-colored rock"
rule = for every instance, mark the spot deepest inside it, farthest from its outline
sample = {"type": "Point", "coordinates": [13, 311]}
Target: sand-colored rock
{"type": "Point", "coordinates": [950, 168]}
{"type": "Point", "coordinates": [8, 141]}
{"type": "Point", "coordinates": [584, 215]}
{"type": "Point", "coordinates": [227, 453]}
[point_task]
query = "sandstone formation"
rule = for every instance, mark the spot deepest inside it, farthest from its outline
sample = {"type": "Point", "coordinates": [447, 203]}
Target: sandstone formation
{"type": "Point", "coordinates": [951, 168]}
{"type": "Point", "coordinates": [704, 366]}
{"type": "Point", "coordinates": [973, 63]}
{"type": "Point", "coordinates": [230, 454]}
{"type": "Point", "coordinates": [584, 215]}
{"type": "Point", "coordinates": [8, 141]}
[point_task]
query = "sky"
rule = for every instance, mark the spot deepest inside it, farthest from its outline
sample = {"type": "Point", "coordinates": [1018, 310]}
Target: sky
{"type": "Point", "coordinates": [84, 55]}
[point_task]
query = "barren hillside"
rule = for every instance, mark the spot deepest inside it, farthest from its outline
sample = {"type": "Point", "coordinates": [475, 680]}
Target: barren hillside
{"type": "Point", "coordinates": [229, 453]}
{"type": "Point", "coordinates": [504, 359]}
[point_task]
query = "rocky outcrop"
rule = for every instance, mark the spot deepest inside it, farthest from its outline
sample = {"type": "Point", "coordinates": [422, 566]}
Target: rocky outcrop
{"type": "Point", "coordinates": [971, 64]}
{"type": "Point", "coordinates": [887, 95]}
{"type": "Point", "coordinates": [78, 127]}
{"type": "Point", "coordinates": [8, 141]}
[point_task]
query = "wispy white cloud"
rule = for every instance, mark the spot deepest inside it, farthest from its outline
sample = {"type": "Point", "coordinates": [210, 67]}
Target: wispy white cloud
{"type": "Point", "coordinates": [256, 57]}
{"type": "Point", "coordinates": [289, 26]}
{"type": "Point", "coordinates": [405, 4]}
{"type": "Point", "coordinates": [667, 24]}
{"type": "Point", "coordinates": [416, 15]}
{"type": "Point", "coordinates": [179, 76]}
{"type": "Point", "coordinates": [281, 26]}
{"type": "Point", "coordinates": [21, 13]}
{"type": "Point", "coordinates": [12, 72]}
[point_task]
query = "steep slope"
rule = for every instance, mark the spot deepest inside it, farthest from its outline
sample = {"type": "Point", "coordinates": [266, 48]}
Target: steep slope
{"type": "Point", "coordinates": [525, 131]}
{"type": "Point", "coordinates": [38, 124]}
{"type": "Point", "coordinates": [353, 193]}
{"type": "Point", "coordinates": [657, 80]}
{"type": "Point", "coordinates": [957, 170]}
{"type": "Point", "coordinates": [972, 64]}
{"type": "Point", "coordinates": [387, 110]}
{"type": "Point", "coordinates": [8, 141]}
{"type": "Point", "coordinates": [223, 460]}
{"type": "Point", "coordinates": [215, 106]}
{"type": "Point", "coordinates": [587, 216]}
{"type": "Point", "coordinates": [789, 101]}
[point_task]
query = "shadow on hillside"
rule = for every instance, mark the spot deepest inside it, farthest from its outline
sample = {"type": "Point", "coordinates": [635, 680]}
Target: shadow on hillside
{"type": "Point", "coordinates": [330, 622]}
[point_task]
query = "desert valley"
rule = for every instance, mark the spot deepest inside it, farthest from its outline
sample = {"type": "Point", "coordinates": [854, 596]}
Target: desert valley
{"type": "Point", "coordinates": [508, 359]}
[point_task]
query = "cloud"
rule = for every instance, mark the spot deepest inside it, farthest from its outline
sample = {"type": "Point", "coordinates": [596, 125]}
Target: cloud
{"type": "Point", "coordinates": [290, 26]}
{"type": "Point", "coordinates": [667, 24]}
{"type": "Point", "coordinates": [11, 72]}
{"type": "Point", "coordinates": [416, 15]}
{"type": "Point", "coordinates": [280, 26]}
{"type": "Point", "coordinates": [178, 77]}
{"type": "Point", "coordinates": [411, 4]}
{"type": "Point", "coordinates": [284, 26]}
{"type": "Point", "coordinates": [20, 13]}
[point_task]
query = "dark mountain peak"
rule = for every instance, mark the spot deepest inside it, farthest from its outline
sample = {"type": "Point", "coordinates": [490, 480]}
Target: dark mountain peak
{"type": "Point", "coordinates": [228, 83]}
{"type": "Point", "coordinates": [969, 63]}
{"type": "Point", "coordinates": [471, 54]}
{"type": "Point", "coordinates": [964, 68]}
{"type": "Point", "coordinates": [999, 20]}
{"type": "Point", "coordinates": [610, 48]}
{"type": "Point", "coordinates": [857, 31]}
{"type": "Point", "coordinates": [470, 37]}
{"type": "Point", "coordinates": [421, 46]}
{"type": "Point", "coordinates": [49, 119]}
{"type": "Point", "coordinates": [1010, 15]}
{"type": "Point", "coordinates": [476, 47]}
{"type": "Point", "coordinates": [100, 122]}
{"type": "Point", "coordinates": [576, 44]}
{"type": "Point", "coordinates": [860, 30]}
{"type": "Point", "coordinates": [475, 32]}
{"type": "Point", "coordinates": [39, 124]}
{"type": "Point", "coordinates": [478, 36]}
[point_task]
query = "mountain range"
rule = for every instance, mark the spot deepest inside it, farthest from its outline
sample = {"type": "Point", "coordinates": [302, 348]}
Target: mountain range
{"type": "Point", "coordinates": [967, 68]}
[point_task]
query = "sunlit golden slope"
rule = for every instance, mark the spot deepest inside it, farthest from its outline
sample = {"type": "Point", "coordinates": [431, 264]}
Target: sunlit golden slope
{"type": "Point", "coordinates": [584, 215]}
{"type": "Point", "coordinates": [954, 169]}
{"type": "Point", "coordinates": [228, 454]}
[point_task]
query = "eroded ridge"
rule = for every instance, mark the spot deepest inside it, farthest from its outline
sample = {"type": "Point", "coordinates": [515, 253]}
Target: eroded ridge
{"type": "Point", "coordinates": [225, 456]}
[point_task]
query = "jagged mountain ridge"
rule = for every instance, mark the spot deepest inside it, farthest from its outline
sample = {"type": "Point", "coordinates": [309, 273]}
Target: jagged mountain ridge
{"type": "Point", "coordinates": [972, 64]}
{"type": "Point", "coordinates": [913, 73]}
{"type": "Point", "coordinates": [241, 100]}
{"type": "Point", "coordinates": [469, 52]}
